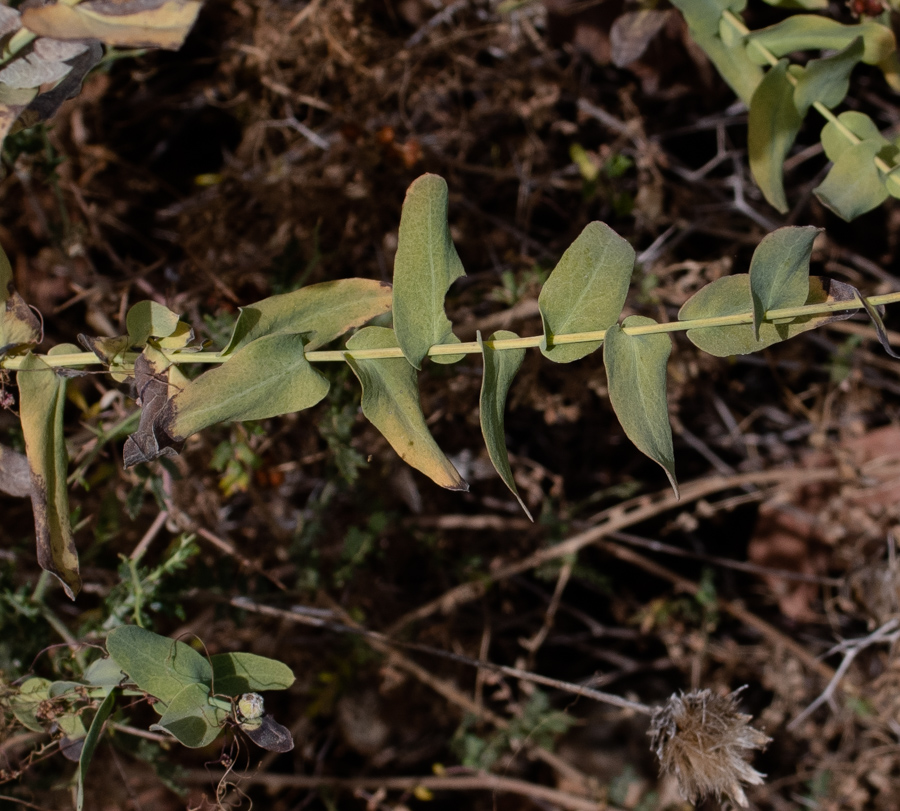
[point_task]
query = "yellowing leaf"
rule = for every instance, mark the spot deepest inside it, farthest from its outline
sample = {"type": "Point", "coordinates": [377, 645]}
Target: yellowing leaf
{"type": "Point", "coordinates": [18, 322]}
{"type": "Point", "coordinates": [12, 102]}
{"type": "Point", "coordinates": [123, 23]}
{"type": "Point", "coordinates": [42, 399]}
{"type": "Point", "coordinates": [390, 401]}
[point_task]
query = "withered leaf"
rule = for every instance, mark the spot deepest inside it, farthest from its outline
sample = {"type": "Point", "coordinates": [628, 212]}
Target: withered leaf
{"type": "Point", "coordinates": [151, 381]}
{"type": "Point", "coordinates": [124, 23]}
{"type": "Point", "coordinates": [46, 104]}
{"type": "Point", "coordinates": [10, 20]}
{"type": "Point", "coordinates": [15, 475]}
{"type": "Point", "coordinates": [18, 323]}
{"type": "Point", "coordinates": [42, 399]}
{"type": "Point", "coordinates": [631, 33]}
{"type": "Point", "coordinates": [109, 350]}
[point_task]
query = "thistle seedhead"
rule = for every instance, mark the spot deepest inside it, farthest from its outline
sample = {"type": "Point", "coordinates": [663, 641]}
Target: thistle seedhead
{"type": "Point", "coordinates": [703, 740]}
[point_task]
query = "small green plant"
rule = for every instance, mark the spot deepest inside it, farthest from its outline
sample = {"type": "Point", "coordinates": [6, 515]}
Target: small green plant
{"type": "Point", "coordinates": [779, 94]}
{"type": "Point", "coordinates": [267, 367]}
{"type": "Point", "coordinates": [197, 697]}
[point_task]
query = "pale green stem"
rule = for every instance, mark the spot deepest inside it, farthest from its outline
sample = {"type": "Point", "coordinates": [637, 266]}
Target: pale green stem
{"type": "Point", "coordinates": [77, 359]}
{"type": "Point", "coordinates": [738, 24]}
{"type": "Point", "coordinates": [24, 37]}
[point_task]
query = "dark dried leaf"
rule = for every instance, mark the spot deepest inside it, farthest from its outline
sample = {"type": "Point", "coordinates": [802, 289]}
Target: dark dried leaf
{"type": "Point", "coordinates": [48, 103]}
{"type": "Point", "coordinates": [150, 441]}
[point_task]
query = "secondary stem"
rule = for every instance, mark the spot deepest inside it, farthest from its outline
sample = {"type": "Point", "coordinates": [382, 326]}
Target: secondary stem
{"type": "Point", "coordinates": [738, 24]}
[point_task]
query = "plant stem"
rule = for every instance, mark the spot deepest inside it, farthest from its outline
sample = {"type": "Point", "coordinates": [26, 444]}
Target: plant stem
{"type": "Point", "coordinates": [79, 359]}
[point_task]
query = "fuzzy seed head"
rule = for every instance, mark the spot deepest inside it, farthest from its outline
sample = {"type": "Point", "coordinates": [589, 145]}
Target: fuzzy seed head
{"type": "Point", "coordinates": [703, 740]}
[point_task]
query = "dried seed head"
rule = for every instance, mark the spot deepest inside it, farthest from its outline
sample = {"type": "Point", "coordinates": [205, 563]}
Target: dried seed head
{"type": "Point", "coordinates": [702, 739]}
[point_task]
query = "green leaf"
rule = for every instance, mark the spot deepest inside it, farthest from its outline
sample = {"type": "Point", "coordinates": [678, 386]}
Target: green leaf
{"type": "Point", "coordinates": [804, 32]}
{"type": "Point", "coordinates": [268, 377]}
{"type": "Point", "coordinates": [892, 181]}
{"type": "Point", "coordinates": [807, 5]}
{"type": "Point", "coordinates": [90, 744]}
{"type": "Point", "coordinates": [721, 44]}
{"type": "Point", "coordinates": [73, 734]}
{"type": "Point", "coordinates": [500, 368]}
{"type": "Point", "coordinates": [18, 322]}
{"type": "Point", "coordinates": [731, 296]}
{"type": "Point", "coordinates": [194, 718]}
{"type": "Point", "coordinates": [425, 266]}
{"type": "Point", "coordinates": [636, 373]}
{"type": "Point", "coordinates": [390, 401]}
{"type": "Point", "coordinates": [703, 15]}
{"type": "Point", "coordinates": [42, 400]}
{"type": "Point", "coordinates": [835, 142]}
{"type": "Point", "coordinates": [827, 80]}
{"type": "Point", "coordinates": [160, 666]}
{"type": "Point", "coordinates": [321, 311]}
{"type": "Point", "coordinates": [104, 672]}
{"type": "Point", "coordinates": [854, 185]}
{"type": "Point", "coordinates": [148, 319]}
{"type": "Point", "coordinates": [586, 291]}
{"type": "Point", "coordinates": [236, 673]}
{"type": "Point", "coordinates": [779, 270]}
{"type": "Point", "coordinates": [773, 125]}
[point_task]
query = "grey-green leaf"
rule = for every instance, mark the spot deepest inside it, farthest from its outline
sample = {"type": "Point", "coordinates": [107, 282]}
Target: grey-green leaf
{"type": "Point", "coordinates": [268, 377]}
{"type": "Point", "coordinates": [772, 127]}
{"type": "Point", "coordinates": [90, 744]}
{"type": "Point", "coordinates": [42, 399]}
{"type": "Point", "coordinates": [425, 266]}
{"type": "Point", "coordinates": [586, 291]}
{"type": "Point", "coordinates": [827, 80]}
{"type": "Point", "coordinates": [704, 15]}
{"type": "Point", "coordinates": [854, 185]}
{"type": "Point", "coordinates": [193, 717]}
{"type": "Point", "coordinates": [803, 32]}
{"type": "Point", "coordinates": [779, 270]}
{"type": "Point", "coordinates": [237, 673]}
{"type": "Point", "coordinates": [390, 401]}
{"type": "Point", "coordinates": [104, 672]}
{"type": "Point", "coordinates": [148, 319]}
{"type": "Point", "coordinates": [321, 311]}
{"type": "Point", "coordinates": [835, 142]}
{"type": "Point", "coordinates": [160, 666]}
{"type": "Point", "coordinates": [730, 295]}
{"type": "Point", "coordinates": [500, 368]}
{"type": "Point", "coordinates": [636, 374]}
{"type": "Point", "coordinates": [18, 322]}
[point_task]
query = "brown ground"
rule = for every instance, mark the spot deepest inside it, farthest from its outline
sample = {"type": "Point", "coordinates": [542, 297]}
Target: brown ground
{"type": "Point", "coordinates": [272, 151]}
